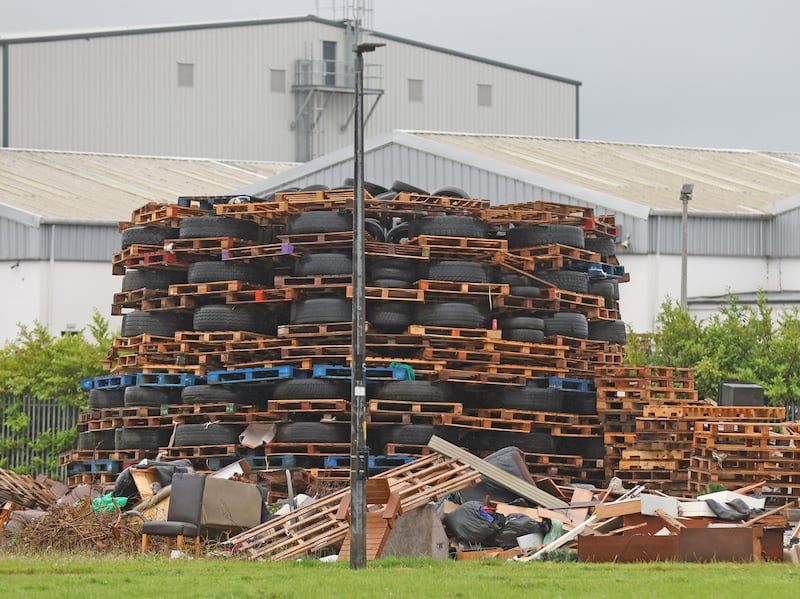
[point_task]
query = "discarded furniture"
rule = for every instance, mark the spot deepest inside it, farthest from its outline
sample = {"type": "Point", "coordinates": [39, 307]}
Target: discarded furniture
{"type": "Point", "coordinates": [383, 507]}
{"type": "Point", "coordinates": [183, 516]}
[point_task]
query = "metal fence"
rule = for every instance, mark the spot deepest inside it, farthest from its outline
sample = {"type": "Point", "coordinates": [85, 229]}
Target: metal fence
{"type": "Point", "coordinates": [42, 417]}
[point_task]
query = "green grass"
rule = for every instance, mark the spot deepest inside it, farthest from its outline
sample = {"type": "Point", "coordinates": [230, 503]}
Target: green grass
{"type": "Point", "coordinates": [116, 577]}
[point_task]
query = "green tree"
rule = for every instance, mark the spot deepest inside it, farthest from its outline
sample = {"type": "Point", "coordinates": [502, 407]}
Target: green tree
{"type": "Point", "coordinates": [739, 343]}
{"type": "Point", "coordinates": [41, 367]}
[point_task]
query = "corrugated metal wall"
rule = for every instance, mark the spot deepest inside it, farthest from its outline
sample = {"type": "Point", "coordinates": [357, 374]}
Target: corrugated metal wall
{"type": "Point", "coordinates": [711, 236]}
{"type": "Point", "coordinates": [89, 243]}
{"type": "Point", "coordinates": [120, 93]}
{"type": "Point", "coordinates": [43, 417]}
{"type": "Point", "coordinates": [783, 237]}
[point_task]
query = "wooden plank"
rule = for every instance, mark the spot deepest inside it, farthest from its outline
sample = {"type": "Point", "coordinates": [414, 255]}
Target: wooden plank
{"type": "Point", "coordinates": [576, 514]}
{"type": "Point", "coordinates": [496, 475]}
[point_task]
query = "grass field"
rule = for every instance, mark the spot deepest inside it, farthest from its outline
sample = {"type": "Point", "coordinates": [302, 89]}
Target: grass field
{"type": "Point", "coordinates": [117, 577]}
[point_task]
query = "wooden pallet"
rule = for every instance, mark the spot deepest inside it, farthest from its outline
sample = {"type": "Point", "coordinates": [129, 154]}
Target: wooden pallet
{"type": "Point", "coordinates": [418, 407]}
{"type": "Point", "coordinates": [465, 244]}
{"type": "Point", "coordinates": [430, 331]}
{"type": "Point", "coordinates": [216, 288]}
{"type": "Point", "coordinates": [280, 406]}
{"type": "Point", "coordinates": [483, 378]}
{"type": "Point", "coordinates": [314, 527]}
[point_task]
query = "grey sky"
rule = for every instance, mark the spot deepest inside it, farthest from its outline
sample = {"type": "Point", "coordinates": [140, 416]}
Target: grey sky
{"type": "Point", "coordinates": [709, 73]}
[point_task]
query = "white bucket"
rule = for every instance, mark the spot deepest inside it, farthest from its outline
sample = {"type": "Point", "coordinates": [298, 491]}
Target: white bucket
{"type": "Point", "coordinates": [533, 539]}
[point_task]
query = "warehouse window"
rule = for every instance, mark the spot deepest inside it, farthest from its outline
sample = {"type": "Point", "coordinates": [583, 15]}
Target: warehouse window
{"type": "Point", "coordinates": [277, 81]}
{"type": "Point", "coordinates": [185, 74]}
{"type": "Point", "coordinates": [484, 95]}
{"type": "Point", "coordinates": [415, 90]}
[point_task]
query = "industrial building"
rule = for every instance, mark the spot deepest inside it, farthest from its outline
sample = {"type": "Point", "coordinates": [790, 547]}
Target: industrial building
{"type": "Point", "coordinates": [59, 211]}
{"type": "Point", "coordinates": [742, 218]}
{"type": "Point", "coordinates": [59, 218]}
{"type": "Point", "coordinates": [266, 89]}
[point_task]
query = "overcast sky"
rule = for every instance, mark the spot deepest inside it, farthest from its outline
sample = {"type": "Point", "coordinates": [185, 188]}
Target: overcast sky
{"type": "Point", "coordinates": [703, 73]}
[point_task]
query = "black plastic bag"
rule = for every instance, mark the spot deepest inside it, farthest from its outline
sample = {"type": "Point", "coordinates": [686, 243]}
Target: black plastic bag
{"type": "Point", "coordinates": [472, 522]}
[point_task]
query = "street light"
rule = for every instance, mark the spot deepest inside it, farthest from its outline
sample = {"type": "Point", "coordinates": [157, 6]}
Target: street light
{"type": "Point", "coordinates": [686, 195]}
{"type": "Point", "coordinates": [359, 453]}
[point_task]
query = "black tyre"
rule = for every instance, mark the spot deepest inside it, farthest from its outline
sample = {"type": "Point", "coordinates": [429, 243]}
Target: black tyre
{"type": "Point", "coordinates": [107, 398]}
{"type": "Point", "coordinates": [455, 270]}
{"type": "Point", "coordinates": [310, 389]}
{"type": "Point", "coordinates": [312, 432]}
{"type": "Point", "coordinates": [320, 221]}
{"type": "Point", "coordinates": [188, 435]}
{"type": "Point", "coordinates": [526, 335]}
{"type": "Point", "coordinates": [315, 187]}
{"type": "Point", "coordinates": [525, 291]}
{"type": "Point", "coordinates": [200, 394]}
{"type": "Point", "coordinates": [590, 448]}
{"type": "Point", "coordinates": [323, 264]}
{"type": "Point", "coordinates": [607, 289]}
{"type": "Point", "coordinates": [321, 310]}
{"type": "Point", "coordinates": [138, 438]}
{"type": "Point", "coordinates": [451, 192]}
{"type": "Point", "coordinates": [398, 233]}
{"type": "Point", "coordinates": [521, 322]}
{"type": "Point", "coordinates": [451, 314]}
{"type": "Point", "coordinates": [151, 396]}
{"type": "Point", "coordinates": [152, 279]}
{"type": "Point", "coordinates": [494, 440]}
{"type": "Point", "coordinates": [535, 235]}
{"type": "Point", "coordinates": [374, 229]}
{"type": "Point", "coordinates": [218, 226]}
{"type": "Point", "coordinates": [390, 317]}
{"type": "Point", "coordinates": [163, 324]}
{"type": "Point", "coordinates": [388, 272]}
{"type": "Point", "coordinates": [99, 439]}
{"type": "Point", "coordinates": [449, 226]}
{"type": "Point", "coordinates": [568, 324]}
{"type": "Point", "coordinates": [531, 398]}
{"type": "Point", "coordinates": [226, 317]}
{"type": "Point", "coordinates": [580, 402]}
{"type": "Point", "coordinates": [374, 189]}
{"type": "Point", "coordinates": [392, 283]}
{"type": "Point", "coordinates": [402, 186]}
{"type": "Point", "coordinates": [147, 236]}
{"type": "Point", "coordinates": [612, 331]}
{"type": "Point", "coordinates": [569, 280]}
{"type": "Point", "coordinates": [409, 434]}
{"type": "Point", "coordinates": [605, 246]}
{"type": "Point", "coordinates": [515, 280]}
{"type": "Point", "coordinates": [213, 271]}
{"type": "Point", "coordinates": [415, 391]}
{"type": "Point", "coordinates": [400, 264]}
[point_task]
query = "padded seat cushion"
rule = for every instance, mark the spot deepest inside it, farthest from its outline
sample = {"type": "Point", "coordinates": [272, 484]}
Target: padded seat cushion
{"type": "Point", "coordinates": [171, 529]}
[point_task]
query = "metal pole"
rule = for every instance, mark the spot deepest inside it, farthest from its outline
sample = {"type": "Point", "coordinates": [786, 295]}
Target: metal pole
{"type": "Point", "coordinates": [359, 453]}
{"type": "Point", "coordinates": [686, 195]}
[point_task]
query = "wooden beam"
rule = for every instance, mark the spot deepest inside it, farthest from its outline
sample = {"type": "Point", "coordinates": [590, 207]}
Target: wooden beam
{"type": "Point", "coordinates": [496, 475]}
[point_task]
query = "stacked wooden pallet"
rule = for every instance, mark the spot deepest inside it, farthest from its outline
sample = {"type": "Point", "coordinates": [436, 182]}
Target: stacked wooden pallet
{"type": "Point", "coordinates": [742, 452]}
{"type": "Point", "coordinates": [475, 365]}
{"type": "Point", "coordinates": [623, 395]}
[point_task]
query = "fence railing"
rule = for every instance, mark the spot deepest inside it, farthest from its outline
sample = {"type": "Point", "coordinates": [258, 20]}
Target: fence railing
{"type": "Point", "coordinates": [42, 417]}
{"type": "Point", "coordinates": [335, 74]}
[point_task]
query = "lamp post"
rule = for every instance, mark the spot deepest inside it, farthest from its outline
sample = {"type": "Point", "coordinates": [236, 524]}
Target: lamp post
{"type": "Point", "coordinates": [686, 195]}
{"type": "Point", "coordinates": [359, 453]}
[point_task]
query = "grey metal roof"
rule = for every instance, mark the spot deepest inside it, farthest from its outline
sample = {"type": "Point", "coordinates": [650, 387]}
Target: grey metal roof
{"type": "Point", "coordinates": [745, 182]}
{"type": "Point", "coordinates": [77, 186]}
{"type": "Point", "coordinates": [108, 32]}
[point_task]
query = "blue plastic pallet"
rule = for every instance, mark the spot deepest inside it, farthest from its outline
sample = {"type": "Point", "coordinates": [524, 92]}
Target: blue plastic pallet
{"type": "Point", "coordinates": [374, 461]}
{"type": "Point", "coordinates": [254, 375]}
{"type": "Point", "coordinates": [374, 373]}
{"type": "Point", "coordinates": [168, 379]}
{"type": "Point", "coordinates": [561, 383]}
{"type": "Point", "coordinates": [256, 462]}
{"type": "Point", "coordinates": [598, 270]}
{"type": "Point", "coordinates": [108, 382]}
